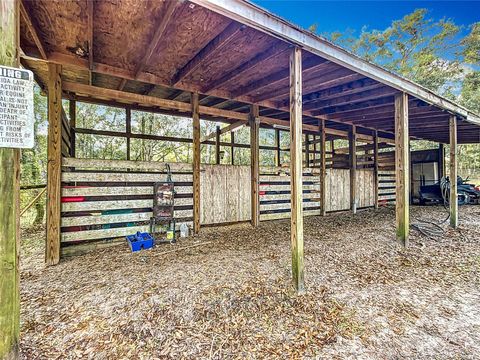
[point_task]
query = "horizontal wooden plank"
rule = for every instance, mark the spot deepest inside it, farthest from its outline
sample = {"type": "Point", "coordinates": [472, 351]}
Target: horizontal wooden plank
{"type": "Point", "coordinates": [283, 187]}
{"type": "Point", "coordinates": [84, 248]}
{"type": "Point", "coordinates": [122, 177]}
{"type": "Point", "coordinates": [118, 190]}
{"type": "Point", "coordinates": [269, 197]}
{"type": "Point", "coordinates": [286, 215]}
{"type": "Point", "coordinates": [273, 178]}
{"type": "Point", "coordinates": [277, 170]}
{"type": "Point", "coordinates": [105, 219]}
{"type": "Point", "coordinates": [109, 233]}
{"type": "Point", "coordinates": [306, 205]}
{"type": "Point", "coordinates": [125, 164]}
{"type": "Point", "coordinates": [102, 233]}
{"type": "Point", "coordinates": [116, 205]}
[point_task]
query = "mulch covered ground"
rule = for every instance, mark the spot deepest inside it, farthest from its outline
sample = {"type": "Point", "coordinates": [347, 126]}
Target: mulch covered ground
{"type": "Point", "coordinates": [231, 297]}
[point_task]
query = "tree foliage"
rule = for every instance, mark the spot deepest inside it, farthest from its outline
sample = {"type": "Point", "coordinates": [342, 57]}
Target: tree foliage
{"type": "Point", "coordinates": [415, 47]}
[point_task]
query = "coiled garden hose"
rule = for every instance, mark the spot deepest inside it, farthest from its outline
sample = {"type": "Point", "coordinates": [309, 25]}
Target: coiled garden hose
{"type": "Point", "coordinates": [431, 229]}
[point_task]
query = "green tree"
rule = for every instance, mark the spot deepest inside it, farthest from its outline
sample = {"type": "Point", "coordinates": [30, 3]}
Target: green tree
{"type": "Point", "coordinates": [415, 47]}
{"type": "Point", "coordinates": [34, 161]}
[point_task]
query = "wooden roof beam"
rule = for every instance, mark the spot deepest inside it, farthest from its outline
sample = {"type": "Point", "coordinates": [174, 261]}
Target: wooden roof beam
{"type": "Point", "coordinates": [132, 98]}
{"type": "Point", "coordinates": [272, 52]}
{"type": "Point", "coordinates": [33, 31]}
{"type": "Point", "coordinates": [204, 54]}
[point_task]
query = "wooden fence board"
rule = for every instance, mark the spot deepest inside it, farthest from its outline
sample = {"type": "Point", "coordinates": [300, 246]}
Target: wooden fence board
{"type": "Point", "coordinates": [122, 177]}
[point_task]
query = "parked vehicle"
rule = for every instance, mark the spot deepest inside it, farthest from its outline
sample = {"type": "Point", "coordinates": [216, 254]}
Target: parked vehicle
{"type": "Point", "coordinates": [439, 193]}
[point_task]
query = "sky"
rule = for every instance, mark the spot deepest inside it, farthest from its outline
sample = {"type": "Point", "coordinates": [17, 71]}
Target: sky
{"type": "Point", "coordinates": [341, 15]}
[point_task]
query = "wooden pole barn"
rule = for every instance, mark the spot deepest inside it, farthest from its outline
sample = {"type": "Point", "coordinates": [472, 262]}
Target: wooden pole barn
{"type": "Point", "coordinates": [225, 61]}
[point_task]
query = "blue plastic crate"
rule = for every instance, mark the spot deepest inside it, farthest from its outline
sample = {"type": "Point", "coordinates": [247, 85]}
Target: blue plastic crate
{"type": "Point", "coordinates": [140, 241]}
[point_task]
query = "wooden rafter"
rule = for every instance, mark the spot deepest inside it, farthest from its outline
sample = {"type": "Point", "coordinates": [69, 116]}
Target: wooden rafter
{"type": "Point", "coordinates": [268, 54]}
{"type": "Point", "coordinates": [325, 78]}
{"type": "Point", "coordinates": [340, 90]}
{"type": "Point", "coordinates": [161, 26]}
{"type": "Point", "coordinates": [277, 77]}
{"type": "Point", "coordinates": [205, 53]}
{"type": "Point", "coordinates": [33, 31]}
{"type": "Point", "coordinates": [90, 5]}
{"type": "Point", "coordinates": [351, 99]}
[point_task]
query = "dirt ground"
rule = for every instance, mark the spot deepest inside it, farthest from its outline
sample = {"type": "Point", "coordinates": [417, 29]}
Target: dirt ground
{"type": "Point", "coordinates": [366, 297]}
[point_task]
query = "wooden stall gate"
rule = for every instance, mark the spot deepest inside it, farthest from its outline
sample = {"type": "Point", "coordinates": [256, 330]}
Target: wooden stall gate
{"type": "Point", "coordinates": [224, 194]}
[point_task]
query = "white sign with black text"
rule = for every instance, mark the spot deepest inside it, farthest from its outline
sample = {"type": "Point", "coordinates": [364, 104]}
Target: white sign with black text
{"type": "Point", "coordinates": [16, 108]}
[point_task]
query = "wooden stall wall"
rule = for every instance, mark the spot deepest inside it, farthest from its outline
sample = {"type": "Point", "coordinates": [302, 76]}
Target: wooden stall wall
{"type": "Point", "coordinates": [224, 194]}
{"type": "Point", "coordinates": [274, 193]}
{"type": "Point", "coordinates": [105, 200]}
{"type": "Point", "coordinates": [386, 178]}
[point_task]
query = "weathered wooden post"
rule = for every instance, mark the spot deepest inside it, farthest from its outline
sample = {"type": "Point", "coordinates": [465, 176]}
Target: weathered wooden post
{"type": "Point", "coordinates": [453, 173]}
{"type": "Point", "coordinates": [196, 162]}
{"type": "Point", "coordinates": [72, 113]}
{"type": "Point", "coordinates": [9, 205]}
{"type": "Point", "coordinates": [278, 161]}
{"type": "Point", "coordinates": [254, 122]}
{"type": "Point", "coordinates": [54, 165]}
{"type": "Point", "coordinates": [442, 171]}
{"type": "Point", "coordinates": [296, 168]}
{"type": "Point", "coordinates": [217, 145]}
{"type": "Point", "coordinates": [352, 149]}
{"type": "Point", "coordinates": [307, 150]}
{"type": "Point", "coordinates": [128, 129]}
{"type": "Point", "coordinates": [402, 172]}
{"type": "Point", "coordinates": [323, 168]}
{"type": "Point", "coordinates": [375, 168]}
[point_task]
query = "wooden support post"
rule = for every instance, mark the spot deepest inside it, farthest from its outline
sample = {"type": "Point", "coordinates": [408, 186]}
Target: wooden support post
{"type": "Point", "coordinates": [254, 121]}
{"type": "Point", "coordinates": [196, 162]}
{"type": "Point", "coordinates": [296, 168]}
{"type": "Point", "coordinates": [402, 172]}
{"type": "Point", "coordinates": [453, 173]}
{"type": "Point", "coordinates": [217, 146]}
{"type": "Point", "coordinates": [307, 150]}
{"type": "Point", "coordinates": [72, 113]}
{"type": "Point", "coordinates": [352, 146]}
{"type": "Point", "coordinates": [232, 147]}
{"type": "Point", "coordinates": [128, 127]}
{"type": "Point", "coordinates": [278, 160]}
{"type": "Point", "coordinates": [442, 171]}
{"type": "Point", "coordinates": [10, 203]}
{"type": "Point", "coordinates": [323, 169]}
{"type": "Point", "coordinates": [54, 166]}
{"type": "Point", "coordinates": [375, 168]}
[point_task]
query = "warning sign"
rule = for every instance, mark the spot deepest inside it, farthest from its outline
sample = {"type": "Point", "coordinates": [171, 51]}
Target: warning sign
{"type": "Point", "coordinates": [16, 108]}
